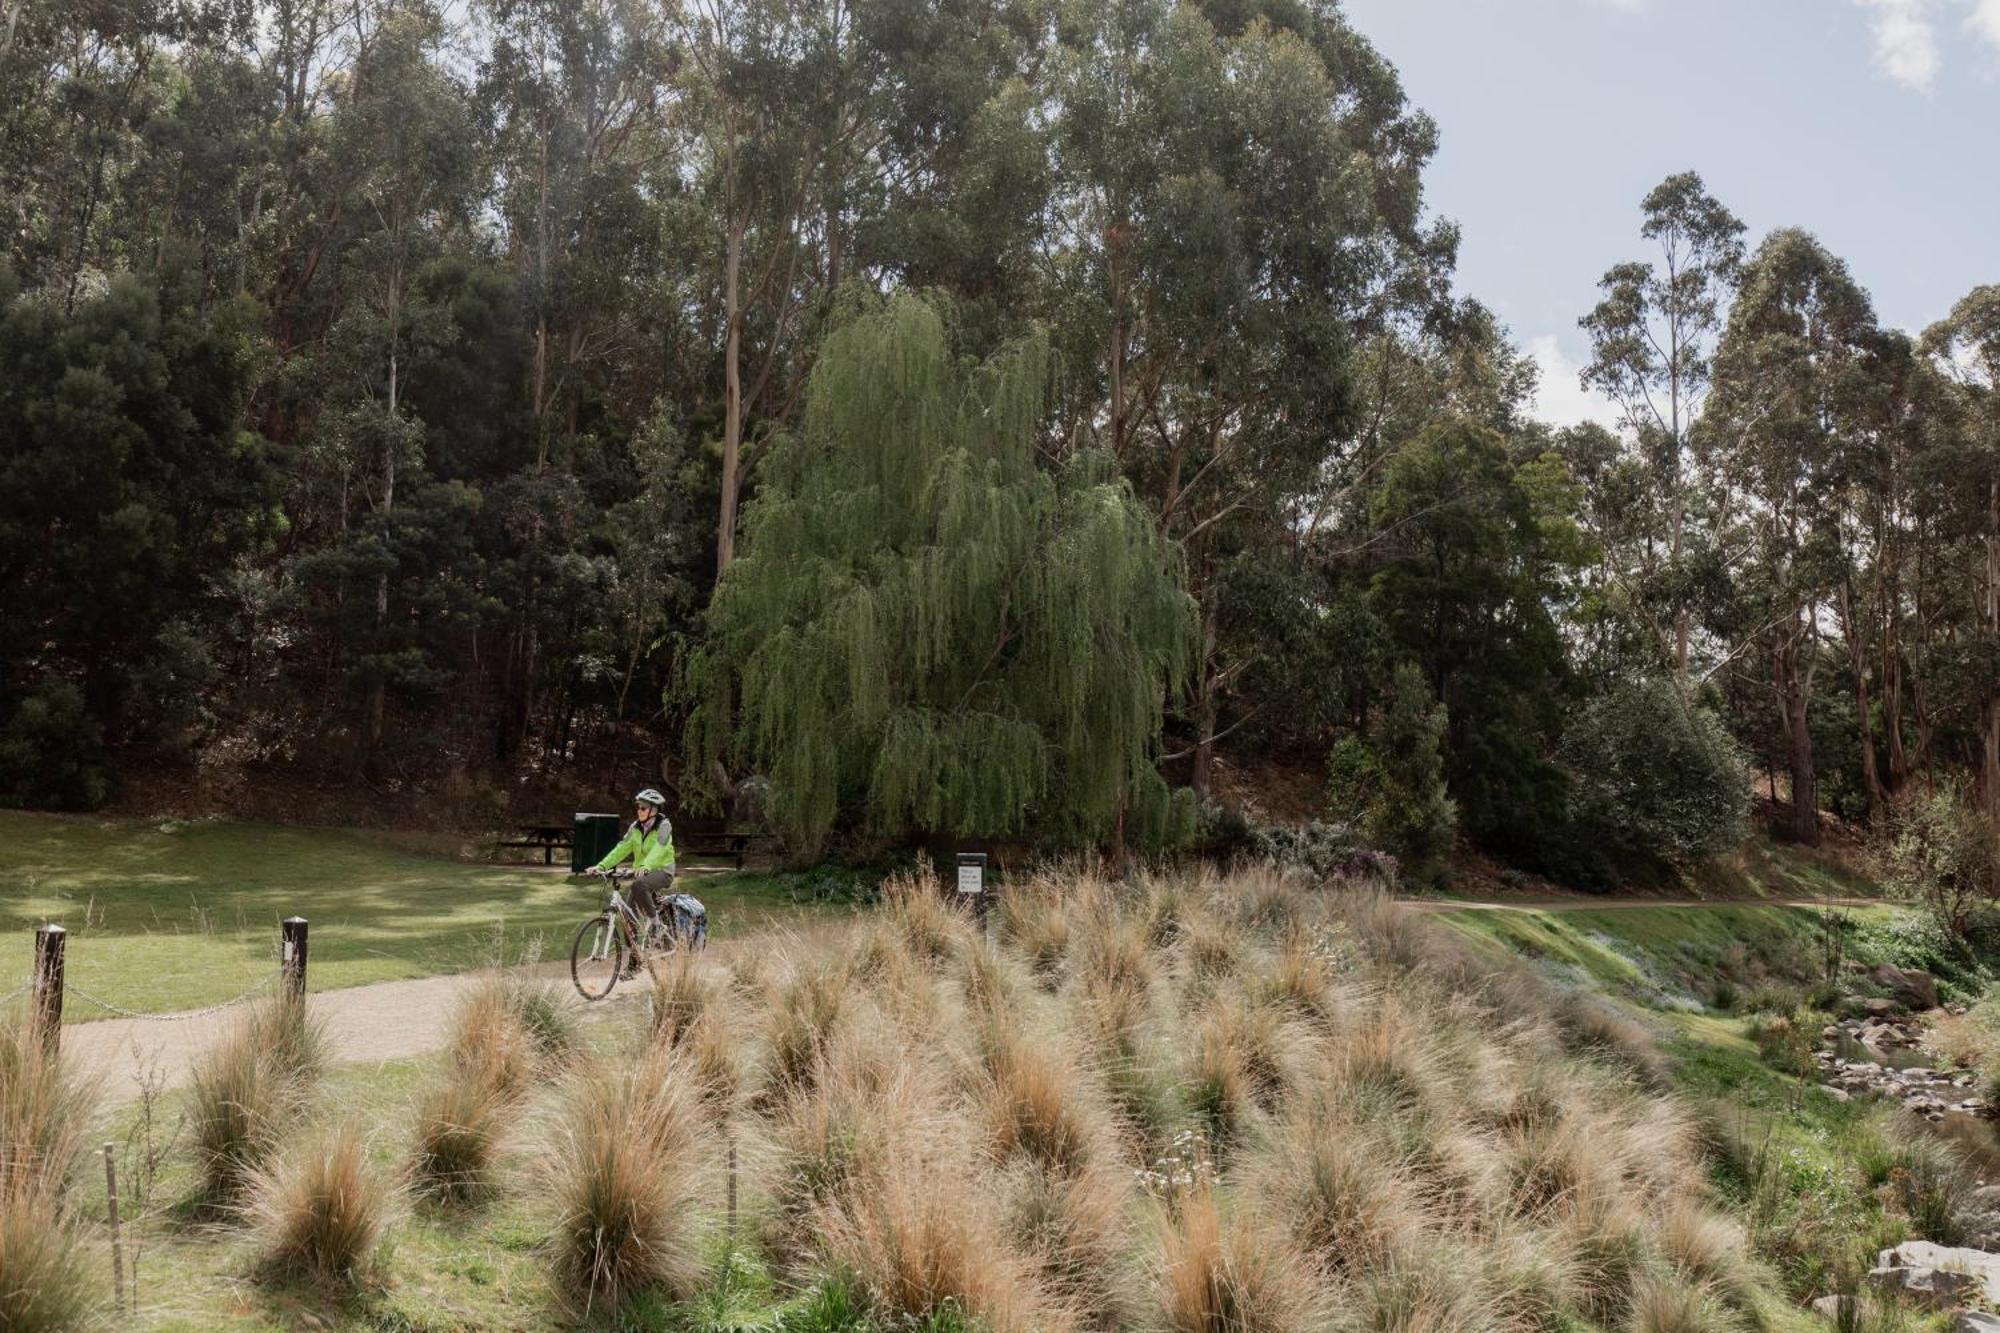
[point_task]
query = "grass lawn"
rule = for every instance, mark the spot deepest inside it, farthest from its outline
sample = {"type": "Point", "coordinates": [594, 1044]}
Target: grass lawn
{"type": "Point", "coordinates": [1645, 952]}
{"type": "Point", "coordinates": [442, 1269]}
{"type": "Point", "coordinates": [175, 915]}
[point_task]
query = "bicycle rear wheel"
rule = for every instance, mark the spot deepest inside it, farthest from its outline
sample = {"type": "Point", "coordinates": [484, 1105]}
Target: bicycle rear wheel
{"type": "Point", "coordinates": [596, 958]}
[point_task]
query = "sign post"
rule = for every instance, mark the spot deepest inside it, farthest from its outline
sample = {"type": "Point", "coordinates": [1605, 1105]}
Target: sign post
{"type": "Point", "coordinates": [972, 882]}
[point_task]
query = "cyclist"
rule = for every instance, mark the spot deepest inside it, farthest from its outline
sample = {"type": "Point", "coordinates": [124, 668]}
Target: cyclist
{"type": "Point", "coordinates": [649, 843]}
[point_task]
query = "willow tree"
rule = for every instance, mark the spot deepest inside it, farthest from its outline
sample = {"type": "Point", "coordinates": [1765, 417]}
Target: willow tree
{"type": "Point", "coordinates": [927, 630]}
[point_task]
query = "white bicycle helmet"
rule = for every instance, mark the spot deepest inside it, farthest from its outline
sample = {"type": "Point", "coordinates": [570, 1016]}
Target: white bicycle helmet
{"type": "Point", "coordinates": [651, 797]}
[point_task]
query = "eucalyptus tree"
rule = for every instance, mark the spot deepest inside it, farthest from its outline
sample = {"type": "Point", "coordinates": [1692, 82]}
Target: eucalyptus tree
{"type": "Point", "coordinates": [406, 160]}
{"type": "Point", "coordinates": [579, 95]}
{"type": "Point", "coordinates": [1792, 371]}
{"type": "Point", "coordinates": [1964, 350]}
{"type": "Point", "coordinates": [1651, 337]}
{"type": "Point", "coordinates": [927, 630]}
{"type": "Point", "coordinates": [1230, 210]}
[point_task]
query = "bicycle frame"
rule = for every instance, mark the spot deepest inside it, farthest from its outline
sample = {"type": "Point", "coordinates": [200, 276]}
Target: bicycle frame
{"type": "Point", "coordinates": [617, 914]}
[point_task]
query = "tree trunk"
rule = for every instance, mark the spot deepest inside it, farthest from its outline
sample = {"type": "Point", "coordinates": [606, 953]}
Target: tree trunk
{"type": "Point", "coordinates": [732, 409]}
{"type": "Point", "coordinates": [1206, 709]}
{"type": "Point", "coordinates": [1892, 683]}
{"type": "Point", "coordinates": [1871, 777]}
{"type": "Point", "coordinates": [1798, 741]}
{"type": "Point", "coordinates": [1989, 773]}
{"type": "Point", "coordinates": [378, 694]}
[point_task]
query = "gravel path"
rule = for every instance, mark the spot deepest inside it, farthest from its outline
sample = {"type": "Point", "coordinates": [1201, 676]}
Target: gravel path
{"type": "Point", "coordinates": [394, 1020]}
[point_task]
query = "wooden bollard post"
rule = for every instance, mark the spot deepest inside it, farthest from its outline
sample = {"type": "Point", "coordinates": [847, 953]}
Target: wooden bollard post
{"type": "Point", "coordinates": [49, 941]}
{"type": "Point", "coordinates": [111, 1211]}
{"type": "Point", "coordinates": [292, 953]}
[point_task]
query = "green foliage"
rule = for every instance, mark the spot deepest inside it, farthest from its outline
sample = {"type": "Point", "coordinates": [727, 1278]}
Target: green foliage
{"type": "Point", "coordinates": [52, 753]}
{"type": "Point", "coordinates": [1655, 776]}
{"type": "Point", "coordinates": [1468, 597]}
{"type": "Point", "coordinates": [930, 631]}
{"type": "Point", "coordinates": [1945, 857]}
{"type": "Point", "coordinates": [126, 486]}
{"type": "Point", "coordinates": [1393, 783]}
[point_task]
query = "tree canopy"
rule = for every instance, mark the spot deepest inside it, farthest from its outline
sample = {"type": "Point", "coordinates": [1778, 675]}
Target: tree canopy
{"type": "Point", "coordinates": [930, 630]}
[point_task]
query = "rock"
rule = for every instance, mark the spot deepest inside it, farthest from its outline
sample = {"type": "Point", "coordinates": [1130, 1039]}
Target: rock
{"type": "Point", "coordinates": [1941, 1276]}
{"type": "Point", "coordinates": [1975, 1321]}
{"type": "Point", "coordinates": [1838, 1094]}
{"type": "Point", "coordinates": [1834, 1307]}
{"type": "Point", "coordinates": [1987, 1196]}
{"type": "Point", "coordinates": [1880, 1006]}
{"type": "Point", "coordinates": [1918, 988]}
{"type": "Point", "coordinates": [1831, 1032]}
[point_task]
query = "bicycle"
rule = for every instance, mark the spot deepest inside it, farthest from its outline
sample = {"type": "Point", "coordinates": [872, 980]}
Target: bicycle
{"type": "Point", "coordinates": [618, 938]}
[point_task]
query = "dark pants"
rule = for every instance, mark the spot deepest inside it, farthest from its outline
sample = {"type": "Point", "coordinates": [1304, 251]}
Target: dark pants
{"type": "Point", "coordinates": [648, 888]}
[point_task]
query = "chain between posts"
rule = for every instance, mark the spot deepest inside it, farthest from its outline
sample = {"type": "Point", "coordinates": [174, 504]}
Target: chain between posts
{"type": "Point", "coordinates": [182, 1016]}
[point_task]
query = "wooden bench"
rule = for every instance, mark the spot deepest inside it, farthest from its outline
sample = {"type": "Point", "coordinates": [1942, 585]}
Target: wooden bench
{"type": "Point", "coordinates": [549, 837]}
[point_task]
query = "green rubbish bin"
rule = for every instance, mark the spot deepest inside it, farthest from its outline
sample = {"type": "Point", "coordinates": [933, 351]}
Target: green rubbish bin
{"type": "Point", "coordinates": [592, 837]}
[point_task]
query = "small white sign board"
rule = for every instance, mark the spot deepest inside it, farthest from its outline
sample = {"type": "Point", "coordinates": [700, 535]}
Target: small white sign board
{"type": "Point", "coordinates": [972, 879]}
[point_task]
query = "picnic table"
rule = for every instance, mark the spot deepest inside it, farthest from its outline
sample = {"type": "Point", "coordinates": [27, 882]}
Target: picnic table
{"type": "Point", "coordinates": [548, 837]}
{"type": "Point", "coordinates": [723, 844]}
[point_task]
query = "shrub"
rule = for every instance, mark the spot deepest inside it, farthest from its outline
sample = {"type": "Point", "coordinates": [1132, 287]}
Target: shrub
{"type": "Point", "coordinates": [52, 753]}
{"type": "Point", "coordinates": [1654, 776]}
{"type": "Point", "coordinates": [623, 1168]}
{"type": "Point", "coordinates": [1392, 783]}
{"type": "Point", "coordinates": [319, 1211]}
{"type": "Point", "coordinates": [1321, 850]}
{"type": "Point", "coordinates": [47, 1285]}
{"type": "Point", "coordinates": [1945, 856]}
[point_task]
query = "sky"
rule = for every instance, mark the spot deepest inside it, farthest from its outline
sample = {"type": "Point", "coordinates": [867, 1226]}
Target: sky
{"type": "Point", "coordinates": [1874, 124]}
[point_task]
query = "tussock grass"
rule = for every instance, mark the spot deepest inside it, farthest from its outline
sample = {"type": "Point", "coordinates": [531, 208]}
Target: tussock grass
{"type": "Point", "coordinates": [507, 1033]}
{"type": "Point", "coordinates": [1038, 1104]}
{"type": "Point", "coordinates": [1073, 1228]}
{"type": "Point", "coordinates": [919, 1247]}
{"type": "Point", "coordinates": [319, 1209]}
{"type": "Point", "coordinates": [248, 1089]}
{"type": "Point", "coordinates": [623, 1168]}
{"type": "Point", "coordinates": [45, 1112]}
{"type": "Point", "coordinates": [1218, 1275]}
{"type": "Point", "coordinates": [804, 1017]}
{"type": "Point", "coordinates": [1213, 1104]}
{"type": "Point", "coordinates": [460, 1124]}
{"type": "Point", "coordinates": [47, 1284]}
{"type": "Point", "coordinates": [1671, 1305]}
{"type": "Point", "coordinates": [1342, 1192]}
{"type": "Point", "coordinates": [686, 989]}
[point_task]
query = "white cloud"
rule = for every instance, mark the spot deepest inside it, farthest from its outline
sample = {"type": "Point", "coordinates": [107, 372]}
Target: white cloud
{"type": "Point", "coordinates": [1985, 22]}
{"type": "Point", "coordinates": [1560, 399]}
{"type": "Point", "coordinates": [1906, 45]}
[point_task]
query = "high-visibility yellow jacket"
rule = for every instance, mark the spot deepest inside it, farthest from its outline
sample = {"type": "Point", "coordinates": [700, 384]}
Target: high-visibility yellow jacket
{"type": "Point", "coordinates": [650, 847]}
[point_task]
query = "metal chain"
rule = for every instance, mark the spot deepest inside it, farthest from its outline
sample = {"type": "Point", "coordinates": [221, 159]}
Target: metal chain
{"type": "Point", "coordinates": [106, 1005]}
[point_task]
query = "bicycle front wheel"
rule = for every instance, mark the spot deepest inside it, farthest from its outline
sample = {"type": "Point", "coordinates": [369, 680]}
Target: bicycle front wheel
{"type": "Point", "coordinates": [596, 958]}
